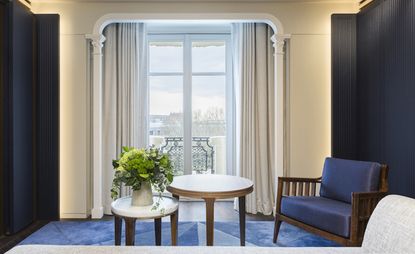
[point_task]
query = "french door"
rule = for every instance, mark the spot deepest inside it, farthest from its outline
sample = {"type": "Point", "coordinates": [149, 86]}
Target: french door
{"type": "Point", "coordinates": [191, 109]}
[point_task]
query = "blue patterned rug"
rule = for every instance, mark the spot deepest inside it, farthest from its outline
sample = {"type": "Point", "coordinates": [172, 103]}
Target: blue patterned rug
{"type": "Point", "coordinates": [258, 233]}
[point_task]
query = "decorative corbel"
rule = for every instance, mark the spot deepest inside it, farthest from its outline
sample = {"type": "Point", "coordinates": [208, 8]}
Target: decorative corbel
{"type": "Point", "coordinates": [97, 41]}
{"type": "Point", "coordinates": [279, 43]}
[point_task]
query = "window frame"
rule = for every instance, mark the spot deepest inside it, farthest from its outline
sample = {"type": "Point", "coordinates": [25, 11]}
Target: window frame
{"type": "Point", "coordinates": [187, 74]}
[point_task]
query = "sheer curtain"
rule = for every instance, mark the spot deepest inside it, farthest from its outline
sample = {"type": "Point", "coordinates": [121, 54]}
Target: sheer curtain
{"type": "Point", "coordinates": [124, 97]}
{"type": "Point", "coordinates": [254, 92]}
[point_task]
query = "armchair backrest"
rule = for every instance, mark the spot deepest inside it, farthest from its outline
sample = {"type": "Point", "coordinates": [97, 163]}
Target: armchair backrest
{"type": "Point", "coordinates": [342, 177]}
{"type": "Point", "coordinates": [391, 228]}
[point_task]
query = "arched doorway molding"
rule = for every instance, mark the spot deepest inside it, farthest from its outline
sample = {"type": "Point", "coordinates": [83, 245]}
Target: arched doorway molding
{"type": "Point", "coordinates": [97, 40]}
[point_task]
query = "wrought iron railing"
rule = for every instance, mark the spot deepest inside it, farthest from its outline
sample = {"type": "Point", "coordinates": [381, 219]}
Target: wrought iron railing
{"type": "Point", "coordinates": [202, 154]}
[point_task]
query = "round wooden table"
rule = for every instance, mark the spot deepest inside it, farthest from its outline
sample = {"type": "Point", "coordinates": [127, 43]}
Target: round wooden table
{"type": "Point", "coordinates": [210, 188]}
{"type": "Point", "coordinates": [122, 209]}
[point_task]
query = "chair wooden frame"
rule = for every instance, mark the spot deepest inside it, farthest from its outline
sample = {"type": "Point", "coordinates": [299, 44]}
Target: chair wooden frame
{"type": "Point", "coordinates": [363, 204]}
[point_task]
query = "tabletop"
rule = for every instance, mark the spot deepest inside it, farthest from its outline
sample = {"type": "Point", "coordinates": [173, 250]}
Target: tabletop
{"type": "Point", "coordinates": [167, 205]}
{"type": "Point", "coordinates": [210, 186]}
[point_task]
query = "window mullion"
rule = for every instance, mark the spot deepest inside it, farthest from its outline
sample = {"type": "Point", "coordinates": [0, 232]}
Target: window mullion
{"type": "Point", "coordinates": [230, 113]}
{"type": "Point", "coordinates": [187, 104]}
{"type": "Point", "coordinates": [209, 74]}
{"type": "Point", "coordinates": [165, 74]}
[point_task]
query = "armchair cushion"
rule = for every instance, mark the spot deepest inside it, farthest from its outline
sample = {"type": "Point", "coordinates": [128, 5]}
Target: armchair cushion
{"type": "Point", "coordinates": [342, 177]}
{"type": "Point", "coordinates": [327, 214]}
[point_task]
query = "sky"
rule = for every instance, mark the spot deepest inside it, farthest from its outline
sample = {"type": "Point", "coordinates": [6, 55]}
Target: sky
{"type": "Point", "coordinates": [166, 92]}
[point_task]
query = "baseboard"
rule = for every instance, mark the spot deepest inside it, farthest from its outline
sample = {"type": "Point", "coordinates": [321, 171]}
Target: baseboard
{"type": "Point", "coordinates": [97, 213]}
{"type": "Point", "coordinates": [73, 215]}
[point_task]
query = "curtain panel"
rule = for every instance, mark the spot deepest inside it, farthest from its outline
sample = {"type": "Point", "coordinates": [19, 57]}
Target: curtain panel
{"type": "Point", "coordinates": [254, 90]}
{"type": "Point", "coordinates": [124, 112]}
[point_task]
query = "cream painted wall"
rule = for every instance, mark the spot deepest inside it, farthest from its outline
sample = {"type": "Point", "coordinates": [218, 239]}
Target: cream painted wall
{"type": "Point", "coordinates": [310, 104]}
{"type": "Point", "coordinates": [309, 25]}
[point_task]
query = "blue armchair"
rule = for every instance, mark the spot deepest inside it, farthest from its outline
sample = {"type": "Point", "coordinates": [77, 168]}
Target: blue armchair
{"type": "Point", "coordinates": [349, 192]}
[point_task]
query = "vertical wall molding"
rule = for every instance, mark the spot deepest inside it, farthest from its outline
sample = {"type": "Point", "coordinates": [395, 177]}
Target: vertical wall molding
{"type": "Point", "coordinates": [47, 116]}
{"type": "Point", "coordinates": [343, 91]}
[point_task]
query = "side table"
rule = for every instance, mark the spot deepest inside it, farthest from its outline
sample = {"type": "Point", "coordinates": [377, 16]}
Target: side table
{"type": "Point", "coordinates": [212, 187]}
{"type": "Point", "coordinates": [122, 209]}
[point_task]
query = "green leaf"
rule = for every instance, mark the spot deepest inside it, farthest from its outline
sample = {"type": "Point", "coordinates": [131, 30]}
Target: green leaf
{"type": "Point", "coordinates": [170, 177]}
{"type": "Point", "coordinates": [145, 176]}
{"type": "Point", "coordinates": [115, 163]}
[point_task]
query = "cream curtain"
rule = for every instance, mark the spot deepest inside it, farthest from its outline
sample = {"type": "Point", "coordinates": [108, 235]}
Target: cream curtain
{"type": "Point", "coordinates": [124, 97]}
{"type": "Point", "coordinates": [254, 85]}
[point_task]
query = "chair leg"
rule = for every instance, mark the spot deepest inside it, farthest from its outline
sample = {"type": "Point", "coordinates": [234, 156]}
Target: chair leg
{"type": "Point", "coordinates": [277, 226]}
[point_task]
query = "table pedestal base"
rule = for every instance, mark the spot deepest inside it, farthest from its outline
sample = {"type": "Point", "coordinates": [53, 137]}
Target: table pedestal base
{"type": "Point", "coordinates": [130, 230]}
{"type": "Point", "coordinates": [242, 218]}
{"type": "Point", "coordinates": [210, 218]}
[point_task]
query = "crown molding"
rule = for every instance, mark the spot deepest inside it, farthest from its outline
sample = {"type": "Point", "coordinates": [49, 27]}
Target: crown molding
{"type": "Point", "coordinates": [26, 3]}
{"type": "Point", "coordinates": [363, 3]}
{"type": "Point", "coordinates": [197, 1]}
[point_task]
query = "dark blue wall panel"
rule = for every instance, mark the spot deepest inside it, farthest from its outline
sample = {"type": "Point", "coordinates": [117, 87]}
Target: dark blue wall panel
{"type": "Point", "coordinates": [21, 118]}
{"type": "Point", "coordinates": [370, 84]}
{"type": "Point", "coordinates": [385, 86]}
{"type": "Point", "coordinates": [386, 81]}
{"type": "Point", "coordinates": [344, 92]}
{"type": "Point", "coordinates": [47, 116]}
{"type": "Point", "coordinates": [29, 117]}
{"type": "Point", "coordinates": [4, 63]}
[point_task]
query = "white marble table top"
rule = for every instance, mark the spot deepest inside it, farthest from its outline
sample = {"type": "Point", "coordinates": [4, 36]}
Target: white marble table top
{"type": "Point", "coordinates": [203, 186]}
{"type": "Point", "coordinates": [122, 207]}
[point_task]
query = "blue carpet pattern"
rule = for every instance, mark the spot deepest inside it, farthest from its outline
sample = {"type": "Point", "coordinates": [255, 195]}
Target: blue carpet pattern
{"type": "Point", "coordinates": [258, 233]}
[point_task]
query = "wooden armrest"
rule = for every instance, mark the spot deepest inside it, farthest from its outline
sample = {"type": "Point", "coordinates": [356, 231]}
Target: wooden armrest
{"type": "Point", "coordinates": [363, 205]}
{"type": "Point", "coordinates": [300, 179]}
{"type": "Point", "coordinates": [295, 186]}
{"type": "Point", "coordinates": [368, 195]}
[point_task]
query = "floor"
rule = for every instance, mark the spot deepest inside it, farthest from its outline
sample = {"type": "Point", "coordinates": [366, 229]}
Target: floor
{"type": "Point", "coordinates": [188, 211]}
{"type": "Point", "coordinates": [226, 233]}
{"type": "Point", "coordinates": [8, 242]}
{"type": "Point", "coordinates": [224, 211]}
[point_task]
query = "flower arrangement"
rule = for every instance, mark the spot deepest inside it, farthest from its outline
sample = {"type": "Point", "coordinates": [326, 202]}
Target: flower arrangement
{"type": "Point", "coordinates": [139, 167]}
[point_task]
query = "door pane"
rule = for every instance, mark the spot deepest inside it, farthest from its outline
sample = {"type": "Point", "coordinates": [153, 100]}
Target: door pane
{"type": "Point", "coordinates": [209, 124]}
{"type": "Point", "coordinates": [208, 56]}
{"type": "Point", "coordinates": [166, 117]}
{"type": "Point", "coordinates": [166, 56]}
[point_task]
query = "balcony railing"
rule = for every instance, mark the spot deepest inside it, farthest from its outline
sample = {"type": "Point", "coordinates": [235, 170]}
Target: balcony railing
{"type": "Point", "coordinates": [205, 157]}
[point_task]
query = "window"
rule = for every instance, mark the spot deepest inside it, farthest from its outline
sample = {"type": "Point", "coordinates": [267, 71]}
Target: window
{"type": "Point", "coordinates": [190, 105]}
